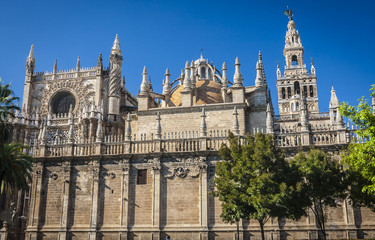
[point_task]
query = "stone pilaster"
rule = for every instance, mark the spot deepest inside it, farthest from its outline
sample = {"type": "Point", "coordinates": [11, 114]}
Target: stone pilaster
{"type": "Point", "coordinates": [125, 200]}
{"type": "Point", "coordinates": [351, 230]}
{"type": "Point", "coordinates": [65, 201]}
{"type": "Point", "coordinates": [203, 198]}
{"type": "Point", "coordinates": [35, 203]}
{"type": "Point", "coordinates": [156, 200]}
{"type": "Point", "coordinates": [95, 199]}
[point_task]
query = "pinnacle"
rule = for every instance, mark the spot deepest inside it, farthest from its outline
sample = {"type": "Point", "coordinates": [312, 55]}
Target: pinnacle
{"type": "Point", "coordinates": [237, 61]}
{"type": "Point", "coordinates": [224, 66]}
{"type": "Point", "coordinates": [167, 71]}
{"type": "Point", "coordinates": [116, 45]}
{"type": "Point", "coordinates": [192, 63]}
{"type": "Point", "coordinates": [187, 65]}
{"type": "Point", "coordinates": [31, 53]}
{"type": "Point", "coordinates": [144, 69]}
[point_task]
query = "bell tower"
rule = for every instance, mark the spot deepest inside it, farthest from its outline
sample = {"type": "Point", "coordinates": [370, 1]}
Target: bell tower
{"type": "Point", "coordinates": [296, 82]}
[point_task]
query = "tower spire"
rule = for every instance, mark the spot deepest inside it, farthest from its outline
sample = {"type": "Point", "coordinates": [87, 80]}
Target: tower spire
{"type": "Point", "coordinates": [31, 58]}
{"type": "Point", "coordinates": [224, 78]}
{"type": "Point", "coordinates": [187, 80]}
{"type": "Point", "coordinates": [55, 67]}
{"type": "Point", "coordinates": [78, 63]}
{"type": "Point", "coordinates": [144, 84]}
{"type": "Point", "coordinates": [116, 46]}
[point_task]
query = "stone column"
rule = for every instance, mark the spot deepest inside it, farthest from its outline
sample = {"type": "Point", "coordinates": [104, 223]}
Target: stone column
{"type": "Point", "coordinates": [35, 203]}
{"type": "Point", "coordinates": [124, 219]}
{"type": "Point", "coordinates": [156, 198]}
{"type": "Point", "coordinates": [203, 198]}
{"type": "Point", "coordinates": [65, 200]}
{"type": "Point", "coordinates": [351, 230]}
{"type": "Point", "coordinates": [95, 199]}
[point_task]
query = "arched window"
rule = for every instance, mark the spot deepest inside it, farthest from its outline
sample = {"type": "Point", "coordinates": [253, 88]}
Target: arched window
{"type": "Point", "coordinates": [203, 72]}
{"type": "Point", "coordinates": [311, 91]}
{"type": "Point", "coordinates": [62, 101]}
{"type": "Point", "coordinates": [289, 92]}
{"type": "Point", "coordinates": [296, 87]}
{"type": "Point", "coordinates": [294, 60]}
{"type": "Point", "coordinates": [283, 93]}
{"type": "Point", "coordinates": [297, 106]}
{"type": "Point", "coordinates": [292, 107]}
{"type": "Point", "coordinates": [305, 91]}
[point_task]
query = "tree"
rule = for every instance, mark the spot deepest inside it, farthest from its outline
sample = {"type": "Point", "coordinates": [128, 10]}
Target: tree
{"type": "Point", "coordinates": [15, 166]}
{"type": "Point", "coordinates": [360, 157]}
{"type": "Point", "coordinates": [324, 183]}
{"type": "Point", "coordinates": [254, 181]}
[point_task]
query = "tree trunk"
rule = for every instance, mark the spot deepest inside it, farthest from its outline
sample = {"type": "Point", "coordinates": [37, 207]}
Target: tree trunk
{"type": "Point", "coordinates": [261, 229]}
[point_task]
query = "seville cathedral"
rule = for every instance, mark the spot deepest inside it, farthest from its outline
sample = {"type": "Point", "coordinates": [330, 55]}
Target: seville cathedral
{"type": "Point", "coordinates": [111, 165]}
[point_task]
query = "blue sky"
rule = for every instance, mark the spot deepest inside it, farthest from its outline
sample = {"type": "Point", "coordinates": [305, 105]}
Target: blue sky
{"type": "Point", "coordinates": [339, 35]}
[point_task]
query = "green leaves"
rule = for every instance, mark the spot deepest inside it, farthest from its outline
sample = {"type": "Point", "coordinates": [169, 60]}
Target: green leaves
{"type": "Point", "coordinates": [359, 158]}
{"type": "Point", "coordinates": [15, 166]}
{"type": "Point", "coordinates": [254, 181]}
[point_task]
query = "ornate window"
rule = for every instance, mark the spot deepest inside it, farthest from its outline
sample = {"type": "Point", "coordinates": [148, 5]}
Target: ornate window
{"type": "Point", "coordinates": [62, 101]}
{"type": "Point", "coordinates": [294, 60]}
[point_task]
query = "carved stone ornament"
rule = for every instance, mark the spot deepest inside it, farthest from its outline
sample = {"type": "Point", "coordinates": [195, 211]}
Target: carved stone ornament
{"type": "Point", "coordinates": [81, 91]}
{"type": "Point", "coordinates": [182, 172]}
{"type": "Point", "coordinates": [54, 176]}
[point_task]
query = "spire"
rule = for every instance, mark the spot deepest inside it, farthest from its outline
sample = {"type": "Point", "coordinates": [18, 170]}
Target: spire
{"type": "Point", "coordinates": [278, 72]}
{"type": "Point", "coordinates": [55, 67]}
{"type": "Point", "coordinates": [203, 130]}
{"type": "Point", "coordinates": [78, 64]}
{"type": "Point", "coordinates": [128, 129]}
{"type": "Point", "coordinates": [269, 119]}
{"type": "Point", "coordinates": [237, 74]}
{"type": "Point", "coordinates": [224, 78]}
{"type": "Point", "coordinates": [144, 84]}
{"type": "Point", "coordinates": [187, 80]}
{"type": "Point", "coordinates": [150, 85]}
{"type": "Point", "coordinates": [116, 46]}
{"type": "Point", "coordinates": [312, 67]}
{"type": "Point", "coordinates": [236, 129]}
{"type": "Point", "coordinates": [158, 126]}
{"type": "Point", "coordinates": [30, 58]}
{"type": "Point", "coordinates": [334, 102]}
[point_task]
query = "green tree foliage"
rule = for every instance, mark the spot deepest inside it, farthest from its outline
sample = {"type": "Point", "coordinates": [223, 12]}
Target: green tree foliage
{"type": "Point", "coordinates": [360, 157]}
{"type": "Point", "coordinates": [254, 181]}
{"type": "Point", "coordinates": [15, 165]}
{"type": "Point", "coordinates": [324, 183]}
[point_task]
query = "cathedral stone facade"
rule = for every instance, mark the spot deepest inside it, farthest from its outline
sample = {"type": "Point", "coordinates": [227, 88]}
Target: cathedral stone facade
{"type": "Point", "coordinates": [110, 165]}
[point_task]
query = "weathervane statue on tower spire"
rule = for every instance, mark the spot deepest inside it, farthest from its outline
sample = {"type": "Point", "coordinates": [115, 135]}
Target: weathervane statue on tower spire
{"type": "Point", "coordinates": [289, 13]}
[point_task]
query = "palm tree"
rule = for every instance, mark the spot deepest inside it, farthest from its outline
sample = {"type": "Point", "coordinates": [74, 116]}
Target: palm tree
{"type": "Point", "coordinates": [15, 165]}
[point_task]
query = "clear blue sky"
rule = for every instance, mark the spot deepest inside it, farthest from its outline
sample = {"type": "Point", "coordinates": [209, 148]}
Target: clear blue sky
{"type": "Point", "coordinates": [339, 35]}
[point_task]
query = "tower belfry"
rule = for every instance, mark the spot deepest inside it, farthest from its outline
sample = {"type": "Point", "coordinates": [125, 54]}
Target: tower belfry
{"type": "Point", "coordinates": [296, 82]}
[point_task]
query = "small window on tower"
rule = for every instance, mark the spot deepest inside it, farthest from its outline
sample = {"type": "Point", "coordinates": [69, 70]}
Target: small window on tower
{"type": "Point", "coordinates": [289, 92]}
{"type": "Point", "coordinates": [296, 87]}
{"type": "Point", "coordinates": [283, 93]}
{"type": "Point", "coordinates": [311, 91]}
{"type": "Point", "coordinates": [203, 72]}
{"type": "Point", "coordinates": [294, 60]}
{"type": "Point", "coordinates": [142, 176]}
{"type": "Point", "coordinates": [305, 91]}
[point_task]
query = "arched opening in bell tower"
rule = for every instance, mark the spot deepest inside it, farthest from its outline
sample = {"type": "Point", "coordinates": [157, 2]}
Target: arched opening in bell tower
{"type": "Point", "coordinates": [294, 60]}
{"type": "Point", "coordinates": [296, 87]}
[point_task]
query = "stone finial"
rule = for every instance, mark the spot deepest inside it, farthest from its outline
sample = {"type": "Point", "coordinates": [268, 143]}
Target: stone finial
{"type": "Point", "coordinates": [237, 79]}
{"type": "Point", "coordinates": [236, 129]}
{"type": "Point", "coordinates": [187, 80]}
{"type": "Point", "coordinates": [269, 119]}
{"type": "Point", "coordinates": [116, 46]}
{"type": "Point", "coordinates": [128, 130]}
{"type": "Point", "coordinates": [55, 67]}
{"type": "Point", "coordinates": [278, 72]}
{"type": "Point", "coordinates": [144, 84]}
{"type": "Point", "coordinates": [259, 78]}
{"type": "Point", "coordinates": [158, 126]}
{"type": "Point", "coordinates": [30, 57]}
{"type": "Point", "coordinates": [334, 102]}
{"type": "Point", "coordinates": [100, 61]}
{"type": "Point", "coordinates": [224, 78]}
{"type": "Point", "coordinates": [99, 130]}
{"type": "Point", "coordinates": [78, 64]}
{"type": "Point", "coordinates": [203, 128]}
{"type": "Point", "coordinates": [312, 67]}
